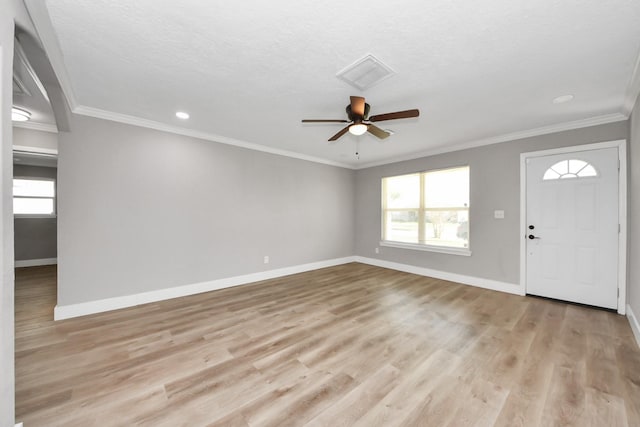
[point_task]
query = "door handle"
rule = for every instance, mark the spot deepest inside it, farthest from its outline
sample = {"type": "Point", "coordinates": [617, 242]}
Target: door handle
{"type": "Point", "coordinates": [531, 237]}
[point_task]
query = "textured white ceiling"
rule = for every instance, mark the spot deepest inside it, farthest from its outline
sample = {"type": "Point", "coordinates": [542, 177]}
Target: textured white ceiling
{"type": "Point", "coordinates": [251, 70]}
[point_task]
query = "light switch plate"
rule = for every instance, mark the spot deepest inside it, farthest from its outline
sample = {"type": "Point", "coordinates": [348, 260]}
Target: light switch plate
{"type": "Point", "coordinates": [498, 214]}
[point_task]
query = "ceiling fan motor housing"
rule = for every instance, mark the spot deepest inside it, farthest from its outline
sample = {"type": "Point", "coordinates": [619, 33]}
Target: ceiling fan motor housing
{"type": "Point", "coordinates": [353, 118]}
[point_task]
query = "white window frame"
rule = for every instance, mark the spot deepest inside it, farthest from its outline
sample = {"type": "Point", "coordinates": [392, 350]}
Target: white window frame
{"type": "Point", "coordinates": [421, 217]}
{"type": "Point", "coordinates": [55, 198]}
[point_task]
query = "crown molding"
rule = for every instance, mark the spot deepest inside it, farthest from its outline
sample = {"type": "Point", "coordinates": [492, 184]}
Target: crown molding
{"type": "Point", "coordinates": [513, 136]}
{"type": "Point", "coordinates": [22, 88]}
{"type": "Point", "coordinates": [633, 89]}
{"type": "Point", "coordinates": [39, 15]}
{"type": "Point", "coordinates": [150, 124]}
{"type": "Point", "coordinates": [136, 121]}
{"type": "Point", "coordinates": [43, 127]}
{"type": "Point", "coordinates": [22, 57]}
{"type": "Point", "coordinates": [35, 150]}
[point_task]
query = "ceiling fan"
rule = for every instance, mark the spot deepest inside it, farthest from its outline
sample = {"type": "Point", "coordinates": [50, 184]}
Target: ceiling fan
{"type": "Point", "coordinates": [360, 122]}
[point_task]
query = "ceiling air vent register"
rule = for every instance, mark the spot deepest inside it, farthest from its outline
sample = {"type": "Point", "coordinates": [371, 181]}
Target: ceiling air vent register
{"type": "Point", "coordinates": [365, 72]}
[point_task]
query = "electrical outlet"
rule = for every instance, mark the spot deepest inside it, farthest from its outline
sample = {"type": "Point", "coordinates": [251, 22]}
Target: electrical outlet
{"type": "Point", "coordinates": [266, 259]}
{"type": "Point", "coordinates": [499, 214]}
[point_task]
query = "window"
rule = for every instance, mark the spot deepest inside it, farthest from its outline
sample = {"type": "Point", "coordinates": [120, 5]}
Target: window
{"type": "Point", "coordinates": [427, 210]}
{"type": "Point", "coordinates": [570, 169]}
{"type": "Point", "coordinates": [34, 197]}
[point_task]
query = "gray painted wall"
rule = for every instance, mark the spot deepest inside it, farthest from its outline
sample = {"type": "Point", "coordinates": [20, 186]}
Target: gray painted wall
{"type": "Point", "coordinates": [634, 213]}
{"type": "Point", "coordinates": [141, 210]}
{"type": "Point", "coordinates": [495, 184]}
{"type": "Point", "coordinates": [35, 238]}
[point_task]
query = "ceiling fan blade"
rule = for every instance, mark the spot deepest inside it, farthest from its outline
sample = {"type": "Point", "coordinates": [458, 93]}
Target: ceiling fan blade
{"type": "Point", "coordinates": [376, 131]}
{"type": "Point", "coordinates": [357, 106]}
{"type": "Point", "coordinates": [324, 121]}
{"type": "Point", "coordinates": [339, 134]}
{"type": "Point", "coordinates": [397, 115]}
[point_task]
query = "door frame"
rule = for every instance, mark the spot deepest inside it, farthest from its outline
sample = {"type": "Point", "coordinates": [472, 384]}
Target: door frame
{"type": "Point", "coordinates": [621, 145]}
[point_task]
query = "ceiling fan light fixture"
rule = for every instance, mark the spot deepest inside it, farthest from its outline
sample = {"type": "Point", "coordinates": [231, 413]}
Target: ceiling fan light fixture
{"type": "Point", "coordinates": [19, 115]}
{"type": "Point", "coordinates": [358, 129]}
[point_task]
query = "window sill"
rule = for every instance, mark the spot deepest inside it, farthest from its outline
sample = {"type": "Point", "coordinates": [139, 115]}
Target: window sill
{"type": "Point", "coordinates": [29, 216]}
{"type": "Point", "coordinates": [427, 248]}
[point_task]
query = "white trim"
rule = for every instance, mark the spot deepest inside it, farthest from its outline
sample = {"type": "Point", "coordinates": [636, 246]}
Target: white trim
{"type": "Point", "coordinates": [36, 262]}
{"type": "Point", "coordinates": [635, 325]}
{"type": "Point", "coordinates": [621, 145]}
{"type": "Point", "coordinates": [22, 57]}
{"type": "Point", "coordinates": [544, 130]}
{"type": "Point", "coordinates": [22, 87]}
{"type": "Point", "coordinates": [150, 124]}
{"type": "Point", "coordinates": [35, 150]}
{"type": "Point", "coordinates": [622, 232]}
{"type": "Point", "coordinates": [42, 127]}
{"type": "Point", "coordinates": [577, 148]}
{"type": "Point", "coordinates": [523, 223]}
{"type": "Point", "coordinates": [98, 306]}
{"type": "Point", "coordinates": [478, 282]}
{"type": "Point", "coordinates": [19, 425]}
{"type": "Point", "coordinates": [46, 34]}
{"type": "Point", "coordinates": [145, 123]}
{"type": "Point", "coordinates": [633, 89]}
{"type": "Point", "coordinates": [427, 248]}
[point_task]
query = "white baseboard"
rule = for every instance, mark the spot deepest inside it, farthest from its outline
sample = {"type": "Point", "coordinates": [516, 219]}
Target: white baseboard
{"type": "Point", "coordinates": [443, 275]}
{"type": "Point", "coordinates": [98, 306]}
{"type": "Point", "coordinates": [36, 262]}
{"type": "Point", "coordinates": [635, 325]}
{"type": "Point", "coordinates": [19, 425]}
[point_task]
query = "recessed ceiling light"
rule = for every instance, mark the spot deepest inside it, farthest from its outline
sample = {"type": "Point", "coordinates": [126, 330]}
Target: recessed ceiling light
{"type": "Point", "coordinates": [19, 115]}
{"type": "Point", "coordinates": [182, 115]}
{"type": "Point", "coordinates": [562, 99]}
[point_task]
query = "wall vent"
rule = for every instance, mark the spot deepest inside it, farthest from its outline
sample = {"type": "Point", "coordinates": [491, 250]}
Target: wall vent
{"type": "Point", "coordinates": [365, 72]}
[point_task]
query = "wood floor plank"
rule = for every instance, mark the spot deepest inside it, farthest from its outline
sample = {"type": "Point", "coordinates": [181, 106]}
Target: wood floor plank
{"type": "Point", "coordinates": [524, 405]}
{"type": "Point", "coordinates": [410, 391]}
{"type": "Point", "coordinates": [340, 346]}
{"type": "Point", "coordinates": [483, 401]}
{"type": "Point", "coordinates": [604, 410]}
{"type": "Point", "coordinates": [360, 400]}
{"type": "Point", "coordinates": [566, 403]}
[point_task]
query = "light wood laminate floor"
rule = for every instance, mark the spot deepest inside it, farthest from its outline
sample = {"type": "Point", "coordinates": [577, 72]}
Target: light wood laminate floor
{"type": "Point", "coordinates": [352, 345]}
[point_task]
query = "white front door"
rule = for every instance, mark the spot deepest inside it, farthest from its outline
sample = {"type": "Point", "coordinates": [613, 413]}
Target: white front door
{"type": "Point", "coordinates": [572, 226]}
